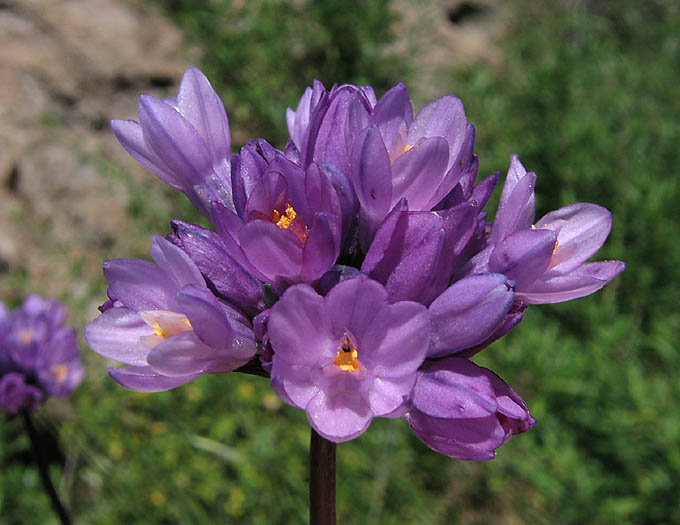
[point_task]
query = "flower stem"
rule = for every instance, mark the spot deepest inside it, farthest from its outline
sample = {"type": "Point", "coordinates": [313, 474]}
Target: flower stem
{"type": "Point", "coordinates": [321, 480]}
{"type": "Point", "coordinates": [57, 505]}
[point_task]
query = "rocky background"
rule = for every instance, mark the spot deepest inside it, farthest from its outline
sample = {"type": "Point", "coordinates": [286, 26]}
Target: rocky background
{"type": "Point", "coordinates": [66, 68]}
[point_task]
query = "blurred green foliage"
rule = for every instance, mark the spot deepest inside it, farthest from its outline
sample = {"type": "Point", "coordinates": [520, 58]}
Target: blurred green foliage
{"type": "Point", "coordinates": [261, 55]}
{"type": "Point", "coordinates": [587, 96]}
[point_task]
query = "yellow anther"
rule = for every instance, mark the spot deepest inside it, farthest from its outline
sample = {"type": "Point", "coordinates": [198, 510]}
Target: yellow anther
{"type": "Point", "coordinates": [160, 331]}
{"type": "Point", "coordinates": [557, 243]}
{"type": "Point", "coordinates": [347, 358]}
{"type": "Point", "coordinates": [59, 373]}
{"type": "Point", "coordinates": [407, 147]}
{"type": "Point", "coordinates": [284, 221]}
{"type": "Point", "coordinates": [157, 330]}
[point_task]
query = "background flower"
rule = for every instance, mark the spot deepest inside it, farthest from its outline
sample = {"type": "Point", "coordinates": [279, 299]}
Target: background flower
{"type": "Point", "coordinates": [39, 356]}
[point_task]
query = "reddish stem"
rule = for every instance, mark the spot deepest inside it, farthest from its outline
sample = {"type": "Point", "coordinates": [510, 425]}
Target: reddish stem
{"type": "Point", "coordinates": [321, 480]}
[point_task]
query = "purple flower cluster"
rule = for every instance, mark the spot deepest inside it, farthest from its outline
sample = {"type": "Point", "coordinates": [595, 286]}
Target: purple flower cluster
{"type": "Point", "coordinates": [39, 356]}
{"type": "Point", "coordinates": [356, 267]}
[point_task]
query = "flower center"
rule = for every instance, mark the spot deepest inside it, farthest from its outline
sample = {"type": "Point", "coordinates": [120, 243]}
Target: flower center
{"type": "Point", "coordinates": [284, 221]}
{"type": "Point", "coordinates": [167, 331]}
{"type": "Point", "coordinates": [407, 147]}
{"type": "Point", "coordinates": [289, 220]}
{"type": "Point", "coordinates": [25, 336]}
{"type": "Point", "coordinates": [59, 373]}
{"type": "Point", "coordinates": [347, 358]}
{"type": "Point", "coordinates": [166, 324]}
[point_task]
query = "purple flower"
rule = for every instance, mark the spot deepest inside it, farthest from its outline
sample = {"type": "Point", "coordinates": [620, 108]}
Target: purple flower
{"type": "Point", "coordinates": [468, 312]}
{"type": "Point", "coordinates": [165, 324]}
{"type": "Point", "coordinates": [184, 141]}
{"type": "Point", "coordinates": [415, 253]}
{"type": "Point", "coordinates": [39, 356]}
{"type": "Point", "coordinates": [421, 159]}
{"type": "Point", "coordinates": [227, 276]}
{"type": "Point", "coordinates": [332, 125]}
{"type": "Point", "coordinates": [347, 357]}
{"type": "Point", "coordinates": [289, 221]}
{"type": "Point", "coordinates": [298, 119]}
{"type": "Point", "coordinates": [16, 395]}
{"type": "Point", "coordinates": [377, 211]}
{"type": "Point", "coordinates": [547, 260]}
{"type": "Point", "coordinates": [465, 411]}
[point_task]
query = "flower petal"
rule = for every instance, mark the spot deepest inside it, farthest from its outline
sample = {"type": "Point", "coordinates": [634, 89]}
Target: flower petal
{"type": "Point", "coordinates": [176, 264]}
{"type": "Point", "coordinates": [454, 388]}
{"type": "Point", "coordinates": [336, 419]}
{"type": "Point", "coordinates": [174, 140]}
{"type": "Point", "coordinates": [354, 304]}
{"type": "Point", "coordinates": [461, 162]}
{"type": "Point", "coordinates": [294, 383]}
{"type": "Point", "coordinates": [275, 252]}
{"type": "Point", "coordinates": [140, 285]}
{"type": "Point", "coordinates": [417, 173]}
{"type": "Point", "coordinates": [413, 278]}
{"type": "Point", "coordinates": [144, 379]}
{"type": "Point", "coordinates": [581, 230]}
{"type": "Point", "coordinates": [130, 135]}
{"type": "Point", "coordinates": [247, 169]}
{"type": "Point", "coordinates": [581, 281]}
{"type": "Point", "coordinates": [397, 342]}
{"type": "Point", "coordinates": [270, 193]}
{"type": "Point", "coordinates": [181, 355]}
{"type": "Point", "coordinates": [228, 277]}
{"type": "Point", "coordinates": [468, 312]}
{"type": "Point", "coordinates": [321, 248]}
{"type": "Point", "coordinates": [517, 206]}
{"type": "Point", "coordinates": [299, 328]}
{"type": "Point", "coordinates": [372, 174]}
{"type": "Point", "coordinates": [389, 397]}
{"type": "Point", "coordinates": [469, 439]}
{"type": "Point", "coordinates": [393, 114]}
{"type": "Point", "coordinates": [201, 106]}
{"type": "Point", "coordinates": [206, 317]}
{"type": "Point", "coordinates": [333, 141]}
{"type": "Point", "coordinates": [115, 335]}
{"type": "Point", "coordinates": [523, 256]}
{"type": "Point", "coordinates": [445, 117]}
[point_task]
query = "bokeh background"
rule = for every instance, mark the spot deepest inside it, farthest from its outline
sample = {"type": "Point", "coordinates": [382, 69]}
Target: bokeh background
{"type": "Point", "coordinates": [585, 91]}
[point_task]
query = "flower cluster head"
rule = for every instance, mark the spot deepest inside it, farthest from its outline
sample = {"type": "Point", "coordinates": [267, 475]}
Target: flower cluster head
{"type": "Point", "coordinates": [356, 267]}
{"type": "Point", "coordinates": [39, 356]}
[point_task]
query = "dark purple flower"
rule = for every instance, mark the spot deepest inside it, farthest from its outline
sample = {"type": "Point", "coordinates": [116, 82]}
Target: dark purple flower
{"type": "Point", "coordinates": [465, 411]}
{"type": "Point", "coordinates": [334, 124]}
{"type": "Point", "coordinates": [16, 395]}
{"type": "Point", "coordinates": [415, 253]}
{"type": "Point", "coordinates": [419, 159]}
{"type": "Point", "coordinates": [165, 324]}
{"type": "Point", "coordinates": [229, 279]}
{"type": "Point", "coordinates": [39, 356]}
{"type": "Point", "coordinates": [184, 141]}
{"type": "Point", "coordinates": [347, 357]}
{"type": "Point", "coordinates": [288, 224]}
